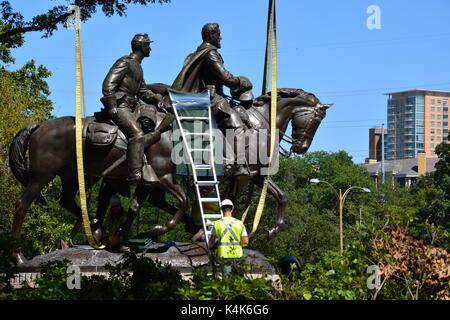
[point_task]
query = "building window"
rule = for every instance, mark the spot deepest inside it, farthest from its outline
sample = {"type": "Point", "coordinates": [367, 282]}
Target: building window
{"type": "Point", "coordinates": [438, 138]}
{"type": "Point", "coordinates": [433, 116]}
{"type": "Point", "coordinates": [438, 131]}
{"type": "Point", "coordinates": [432, 138]}
{"type": "Point", "coordinates": [432, 145]}
{"type": "Point", "coordinates": [438, 124]}
{"type": "Point", "coordinates": [439, 117]}
{"type": "Point", "coordinates": [439, 109]}
{"type": "Point", "coordinates": [445, 103]}
{"type": "Point", "coordinates": [432, 101]}
{"type": "Point", "coordinates": [433, 109]}
{"type": "Point", "coordinates": [432, 123]}
{"type": "Point", "coordinates": [439, 102]}
{"type": "Point", "coordinates": [445, 124]}
{"type": "Point", "coordinates": [432, 131]}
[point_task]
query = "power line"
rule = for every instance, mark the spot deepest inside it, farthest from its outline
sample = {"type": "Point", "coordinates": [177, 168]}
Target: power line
{"type": "Point", "coordinates": [354, 120]}
{"type": "Point", "coordinates": [416, 86]}
{"type": "Point", "coordinates": [362, 126]}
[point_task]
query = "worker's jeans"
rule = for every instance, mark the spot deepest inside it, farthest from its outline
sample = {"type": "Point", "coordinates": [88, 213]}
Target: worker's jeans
{"type": "Point", "coordinates": [231, 266]}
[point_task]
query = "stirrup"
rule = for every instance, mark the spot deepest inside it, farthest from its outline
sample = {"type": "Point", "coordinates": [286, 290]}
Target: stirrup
{"type": "Point", "coordinates": [134, 178]}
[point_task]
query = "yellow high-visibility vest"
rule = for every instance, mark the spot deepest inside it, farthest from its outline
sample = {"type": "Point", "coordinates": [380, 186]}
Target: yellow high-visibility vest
{"type": "Point", "coordinates": [229, 232]}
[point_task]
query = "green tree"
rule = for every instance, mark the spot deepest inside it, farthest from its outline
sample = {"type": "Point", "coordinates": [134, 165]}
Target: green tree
{"type": "Point", "coordinates": [312, 224]}
{"type": "Point", "coordinates": [13, 25]}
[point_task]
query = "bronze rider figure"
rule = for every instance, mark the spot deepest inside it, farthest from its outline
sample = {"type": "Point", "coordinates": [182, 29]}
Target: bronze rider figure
{"type": "Point", "coordinates": [204, 70]}
{"type": "Point", "coordinates": [123, 86]}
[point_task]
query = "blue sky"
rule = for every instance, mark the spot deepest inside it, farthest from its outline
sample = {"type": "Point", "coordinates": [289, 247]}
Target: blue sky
{"type": "Point", "coordinates": [324, 47]}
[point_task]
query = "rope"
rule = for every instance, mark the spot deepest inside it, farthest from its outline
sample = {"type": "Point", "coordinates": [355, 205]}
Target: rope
{"type": "Point", "coordinates": [271, 48]}
{"type": "Point", "coordinates": [79, 100]}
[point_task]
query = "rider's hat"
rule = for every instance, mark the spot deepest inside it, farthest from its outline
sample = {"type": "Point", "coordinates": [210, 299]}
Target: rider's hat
{"type": "Point", "coordinates": [141, 37]}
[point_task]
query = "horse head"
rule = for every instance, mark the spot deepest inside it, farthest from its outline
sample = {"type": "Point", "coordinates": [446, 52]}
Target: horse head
{"type": "Point", "coordinates": [305, 121]}
{"type": "Point", "coordinates": [303, 109]}
{"type": "Point", "coordinates": [305, 112]}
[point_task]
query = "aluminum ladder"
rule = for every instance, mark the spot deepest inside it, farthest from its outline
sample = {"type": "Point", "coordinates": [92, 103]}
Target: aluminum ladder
{"type": "Point", "coordinates": [181, 100]}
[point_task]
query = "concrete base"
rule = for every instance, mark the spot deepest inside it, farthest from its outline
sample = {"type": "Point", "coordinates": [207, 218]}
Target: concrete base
{"type": "Point", "coordinates": [182, 257]}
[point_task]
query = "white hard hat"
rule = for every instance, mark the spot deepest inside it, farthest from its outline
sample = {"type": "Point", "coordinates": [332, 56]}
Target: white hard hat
{"type": "Point", "coordinates": [227, 202]}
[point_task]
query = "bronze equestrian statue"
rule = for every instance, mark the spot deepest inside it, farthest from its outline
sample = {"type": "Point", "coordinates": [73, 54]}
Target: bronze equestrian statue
{"type": "Point", "coordinates": [51, 148]}
{"type": "Point", "coordinates": [123, 83]}
{"type": "Point", "coordinates": [204, 70]}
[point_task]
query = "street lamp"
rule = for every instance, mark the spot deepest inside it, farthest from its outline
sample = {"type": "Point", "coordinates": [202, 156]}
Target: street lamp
{"type": "Point", "coordinates": [341, 199]}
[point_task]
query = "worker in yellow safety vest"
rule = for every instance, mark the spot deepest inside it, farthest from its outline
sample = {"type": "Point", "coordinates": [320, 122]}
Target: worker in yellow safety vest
{"type": "Point", "coordinates": [232, 236]}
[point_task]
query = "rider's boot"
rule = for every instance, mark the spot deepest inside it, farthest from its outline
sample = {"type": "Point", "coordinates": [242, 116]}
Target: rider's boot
{"type": "Point", "coordinates": [241, 167]}
{"type": "Point", "coordinates": [135, 155]}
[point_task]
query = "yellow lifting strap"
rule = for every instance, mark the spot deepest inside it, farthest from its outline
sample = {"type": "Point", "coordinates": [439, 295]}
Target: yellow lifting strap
{"type": "Point", "coordinates": [271, 50]}
{"type": "Point", "coordinates": [79, 99]}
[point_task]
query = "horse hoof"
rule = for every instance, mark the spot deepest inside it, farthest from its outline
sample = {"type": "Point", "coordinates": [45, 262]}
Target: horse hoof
{"type": "Point", "coordinates": [20, 258]}
{"type": "Point", "coordinates": [98, 235]}
{"type": "Point", "coordinates": [158, 230]}
{"type": "Point", "coordinates": [272, 234]}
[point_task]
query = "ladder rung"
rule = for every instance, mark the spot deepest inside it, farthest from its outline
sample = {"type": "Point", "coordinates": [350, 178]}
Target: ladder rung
{"type": "Point", "coordinates": [196, 134]}
{"type": "Point", "coordinates": [207, 183]}
{"type": "Point", "coordinates": [195, 118]}
{"type": "Point", "coordinates": [204, 150]}
{"type": "Point", "coordinates": [209, 199]}
{"type": "Point", "coordinates": [212, 216]}
{"type": "Point", "coordinates": [203, 166]}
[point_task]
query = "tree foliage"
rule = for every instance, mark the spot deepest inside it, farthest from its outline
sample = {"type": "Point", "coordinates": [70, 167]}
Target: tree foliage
{"type": "Point", "coordinates": [13, 25]}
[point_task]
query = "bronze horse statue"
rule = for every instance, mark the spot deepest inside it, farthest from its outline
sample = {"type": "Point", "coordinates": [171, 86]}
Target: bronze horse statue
{"type": "Point", "coordinates": [51, 149]}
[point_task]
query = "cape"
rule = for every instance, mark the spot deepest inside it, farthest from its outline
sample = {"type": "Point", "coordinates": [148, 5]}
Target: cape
{"type": "Point", "coordinates": [188, 79]}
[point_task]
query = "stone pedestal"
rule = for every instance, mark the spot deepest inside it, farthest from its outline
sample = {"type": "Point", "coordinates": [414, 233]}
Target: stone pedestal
{"type": "Point", "coordinates": [181, 256]}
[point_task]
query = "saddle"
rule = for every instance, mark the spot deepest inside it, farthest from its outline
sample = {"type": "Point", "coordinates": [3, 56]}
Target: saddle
{"type": "Point", "coordinates": [104, 135]}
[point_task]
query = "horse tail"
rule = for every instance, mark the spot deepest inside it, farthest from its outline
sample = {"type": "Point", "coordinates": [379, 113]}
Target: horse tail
{"type": "Point", "coordinates": [18, 156]}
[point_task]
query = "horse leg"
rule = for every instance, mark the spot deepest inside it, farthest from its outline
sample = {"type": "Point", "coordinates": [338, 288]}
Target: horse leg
{"type": "Point", "coordinates": [280, 196]}
{"type": "Point", "coordinates": [39, 179]}
{"type": "Point", "coordinates": [31, 192]}
{"type": "Point", "coordinates": [67, 201]}
{"type": "Point", "coordinates": [179, 194]}
{"type": "Point", "coordinates": [138, 199]}
{"type": "Point", "coordinates": [157, 198]}
{"type": "Point", "coordinates": [104, 195]}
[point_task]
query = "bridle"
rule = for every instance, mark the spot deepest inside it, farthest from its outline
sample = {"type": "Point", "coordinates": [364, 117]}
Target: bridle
{"type": "Point", "coordinates": [317, 112]}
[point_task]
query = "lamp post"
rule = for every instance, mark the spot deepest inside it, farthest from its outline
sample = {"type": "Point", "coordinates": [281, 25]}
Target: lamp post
{"type": "Point", "coordinates": [341, 200]}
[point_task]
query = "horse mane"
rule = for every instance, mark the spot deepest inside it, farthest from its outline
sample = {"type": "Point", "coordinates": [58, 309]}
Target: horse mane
{"type": "Point", "coordinates": [283, 93]}
{"type": "Point", "coordinates": [158, 87]}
